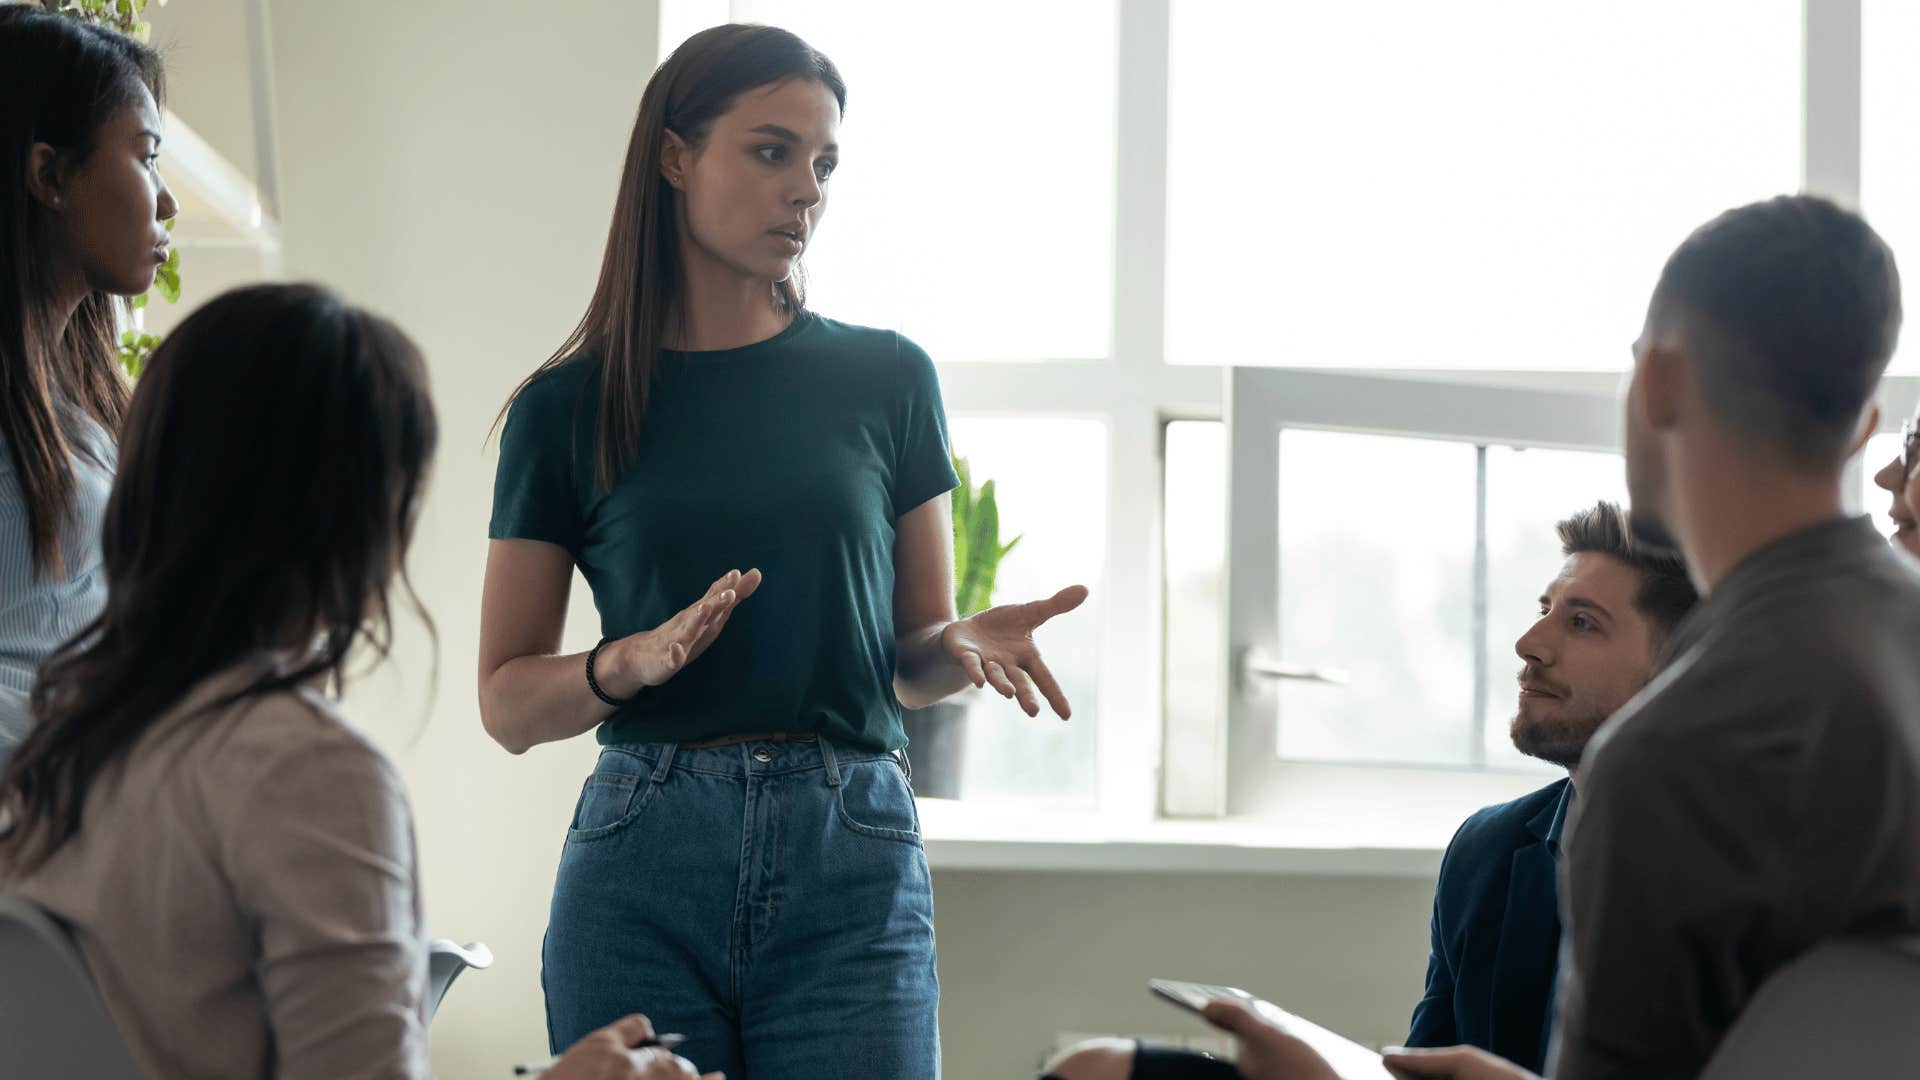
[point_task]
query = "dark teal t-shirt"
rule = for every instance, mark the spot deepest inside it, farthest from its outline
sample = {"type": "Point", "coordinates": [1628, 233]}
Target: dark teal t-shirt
{"type": "Point", "coordinates": [794, 455]}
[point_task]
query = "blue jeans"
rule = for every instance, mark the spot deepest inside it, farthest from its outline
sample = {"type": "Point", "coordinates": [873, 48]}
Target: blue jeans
{"type": "Point", "coordinates": [769, 901]}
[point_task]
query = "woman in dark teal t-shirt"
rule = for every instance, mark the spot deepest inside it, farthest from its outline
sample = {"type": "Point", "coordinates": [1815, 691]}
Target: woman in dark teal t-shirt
{"type": "Point", "coordinates": [757, 496]}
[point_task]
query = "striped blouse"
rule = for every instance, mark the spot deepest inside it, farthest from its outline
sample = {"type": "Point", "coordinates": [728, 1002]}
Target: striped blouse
{"type": "Point", "coordinates": [37, 612]}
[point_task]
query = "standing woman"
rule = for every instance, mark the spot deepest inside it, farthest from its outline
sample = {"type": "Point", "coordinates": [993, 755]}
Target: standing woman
{"type": "Point", "coordinates": [757, 496]}
{"type": "Point", "coordinates": [82, 222]}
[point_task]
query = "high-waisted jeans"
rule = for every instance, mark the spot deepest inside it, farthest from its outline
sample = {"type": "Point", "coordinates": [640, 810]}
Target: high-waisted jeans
{"type": "Point", "coordinates": [768, 900]}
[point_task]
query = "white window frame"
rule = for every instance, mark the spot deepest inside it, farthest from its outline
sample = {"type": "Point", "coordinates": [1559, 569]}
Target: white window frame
{"type": "Point", "coordinates": [1135, 392]}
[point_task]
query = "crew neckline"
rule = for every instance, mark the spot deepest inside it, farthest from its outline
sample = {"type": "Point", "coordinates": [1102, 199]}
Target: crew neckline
{"type": "Point", "coordinates": [800, 321]}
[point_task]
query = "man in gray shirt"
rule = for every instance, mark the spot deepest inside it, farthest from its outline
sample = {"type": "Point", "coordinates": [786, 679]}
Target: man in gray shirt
{"type": "Point", "coordinates": [1762, 794]}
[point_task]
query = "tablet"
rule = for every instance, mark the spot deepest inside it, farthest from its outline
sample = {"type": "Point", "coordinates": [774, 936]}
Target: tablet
{"type": "Point", "coordinates": [1348, 1058]}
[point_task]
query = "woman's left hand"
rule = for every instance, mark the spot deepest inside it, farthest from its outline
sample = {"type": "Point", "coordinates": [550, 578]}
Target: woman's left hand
{"type": "Point", "coordinates": [996, 648]}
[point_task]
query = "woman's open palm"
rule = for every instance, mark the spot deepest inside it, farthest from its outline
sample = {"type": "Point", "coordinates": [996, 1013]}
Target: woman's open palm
{"type": "Point", "coordinates": [657, 655]}
{"type": "Point", "coordinates": [996, 648]}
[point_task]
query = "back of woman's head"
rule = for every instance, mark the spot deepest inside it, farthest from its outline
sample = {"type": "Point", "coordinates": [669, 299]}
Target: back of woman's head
{"type": "Point", "coordinates": [270, 473]}
{"type": "Point", "coordinates": [61, 81]}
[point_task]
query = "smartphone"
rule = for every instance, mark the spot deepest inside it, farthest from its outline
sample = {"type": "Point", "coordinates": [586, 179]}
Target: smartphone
{"type": "Point", "coordinates": [1348, 1058]}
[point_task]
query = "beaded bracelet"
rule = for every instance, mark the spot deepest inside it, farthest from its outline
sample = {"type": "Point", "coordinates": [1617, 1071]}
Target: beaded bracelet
{"type": "Point", "coordinates": [593, 684]}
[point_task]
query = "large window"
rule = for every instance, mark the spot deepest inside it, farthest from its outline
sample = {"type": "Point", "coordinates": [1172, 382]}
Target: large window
{"type": "Point", "coordinates": [1096, 213]}
{"type": "Point", "coordinates": [1469, 184]}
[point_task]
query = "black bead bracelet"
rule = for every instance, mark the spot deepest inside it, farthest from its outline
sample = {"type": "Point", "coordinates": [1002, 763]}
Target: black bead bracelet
{"type": "Point", "coordinates": [594, 684]}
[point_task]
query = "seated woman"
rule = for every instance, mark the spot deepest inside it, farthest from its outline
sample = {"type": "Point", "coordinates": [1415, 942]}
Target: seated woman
{"type": "Point", "coordinates": [235, 860]}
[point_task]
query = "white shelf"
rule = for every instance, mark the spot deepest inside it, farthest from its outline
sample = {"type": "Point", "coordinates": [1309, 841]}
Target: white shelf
{"type": "Point", "coordinates": [220, 206]}
{"type": "Point", "coordinates": [962, 837]}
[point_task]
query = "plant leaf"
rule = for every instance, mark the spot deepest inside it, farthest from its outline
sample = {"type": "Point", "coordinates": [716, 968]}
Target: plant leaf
{"type": "Point", "coordinates": [983, 548]}
{"type": "Point", "coordinates": [167, 278]}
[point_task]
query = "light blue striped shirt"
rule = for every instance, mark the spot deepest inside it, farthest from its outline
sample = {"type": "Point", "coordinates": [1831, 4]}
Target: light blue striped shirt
{"type": "Point", "coordinates": [37, 614]}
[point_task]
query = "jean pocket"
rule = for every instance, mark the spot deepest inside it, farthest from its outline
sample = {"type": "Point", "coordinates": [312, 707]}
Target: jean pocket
{"type": "Point", "coordinates": [609, 802]}
{"type": "Point", "coordinates": [873, 799]}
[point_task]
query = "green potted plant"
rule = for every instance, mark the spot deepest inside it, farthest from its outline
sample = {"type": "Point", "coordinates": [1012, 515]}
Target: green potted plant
{"type": "Point", "coordinates": [936, 735]}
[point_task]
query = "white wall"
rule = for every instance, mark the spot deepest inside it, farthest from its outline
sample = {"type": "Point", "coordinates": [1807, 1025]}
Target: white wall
{"type": "Point", "coordinates": [453, 165]}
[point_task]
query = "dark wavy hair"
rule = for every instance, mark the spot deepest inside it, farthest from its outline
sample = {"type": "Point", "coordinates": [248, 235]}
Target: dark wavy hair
{"type": "Point", "coordinates": [60, 80]}
{"type": "Point", "coordinates": [270, 474]}
{"type": "Point", "coordinates": [641, 289]}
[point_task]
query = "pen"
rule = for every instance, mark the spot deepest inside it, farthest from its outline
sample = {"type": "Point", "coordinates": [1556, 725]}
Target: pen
{"type": "Point", "coordinates": [664, 1042]}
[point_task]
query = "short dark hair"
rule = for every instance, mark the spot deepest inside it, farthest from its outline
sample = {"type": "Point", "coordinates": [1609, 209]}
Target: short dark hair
{"type": "Point", "coordinates": [1666, 592]}
{"type": "Point", "coordinates": [1791, 307]}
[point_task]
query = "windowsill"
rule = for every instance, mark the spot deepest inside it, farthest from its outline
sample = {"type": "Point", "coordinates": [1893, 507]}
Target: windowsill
{"type": "Point", "coordinates": [1022, 839]}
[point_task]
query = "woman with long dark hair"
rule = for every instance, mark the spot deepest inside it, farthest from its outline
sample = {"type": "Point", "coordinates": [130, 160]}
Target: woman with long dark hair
{"type": "Point", "coordinates": [82, 224]}
{"type": "Point", "coordinates": [234, 858]}
{"type": "Point", "coordinates": [758, 497]}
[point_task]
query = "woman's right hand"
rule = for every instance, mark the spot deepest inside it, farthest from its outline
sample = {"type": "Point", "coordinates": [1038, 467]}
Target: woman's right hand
{"type": "Point", "coordinates": [651, 657]}
{"type": "Point", "coordinates": [608, 1054]}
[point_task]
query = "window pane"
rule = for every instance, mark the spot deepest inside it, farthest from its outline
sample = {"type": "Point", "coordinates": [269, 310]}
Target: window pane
{"type": "Point", "coordinates": [1050, 482]}
{"type": "Point", "coordinates": [1890, 131]}
{"type": "Point", "coordinates": [1193, 517]}
{"type": "Point", "coordinates": [1528, 492]}
{"type": "Point", "coordinates": [1880, 450]}
{"type": "Point", "coordinates": [1376, 579]}
{"type": "Point", "coordinates": [1475, 184]}
{"type": "Point", "coordinates": [973, 210]}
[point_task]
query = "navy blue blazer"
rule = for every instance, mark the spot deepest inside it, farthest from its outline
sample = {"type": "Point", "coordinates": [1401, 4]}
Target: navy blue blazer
{"type": "Point", "coordinates": [1496, 932]}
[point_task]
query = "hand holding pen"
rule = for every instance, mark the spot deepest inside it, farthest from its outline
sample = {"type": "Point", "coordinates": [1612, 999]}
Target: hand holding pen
{"type": "Point", "coordinates": [626, 1049]}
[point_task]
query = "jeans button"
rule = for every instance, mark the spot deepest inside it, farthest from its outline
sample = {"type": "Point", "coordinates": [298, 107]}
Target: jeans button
{"type": "Point", "coordinates": [763, 755]}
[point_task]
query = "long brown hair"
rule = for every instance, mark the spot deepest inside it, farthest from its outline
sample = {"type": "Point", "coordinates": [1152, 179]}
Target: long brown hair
{"type": "Point", "coordinates": [60, 80]}
{"type": "Point", "coordinates": [270, 472]}
{"type": "Point", "coordinates": [640, 292]}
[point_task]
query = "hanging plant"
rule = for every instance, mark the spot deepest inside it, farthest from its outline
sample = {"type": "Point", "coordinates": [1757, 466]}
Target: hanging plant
{"type": "Point", "coordinates": [121, 15]}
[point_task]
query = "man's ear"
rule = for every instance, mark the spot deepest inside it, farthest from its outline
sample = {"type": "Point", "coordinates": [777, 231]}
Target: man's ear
{"type": "Point", "coordinates": [46, 176]}
{"type": "Point", "coordinates": [676, 157]}
{"type": "Point", "coordinates": [1869, 423]}
{"type": "Point", "coordinates": [1666, 386]}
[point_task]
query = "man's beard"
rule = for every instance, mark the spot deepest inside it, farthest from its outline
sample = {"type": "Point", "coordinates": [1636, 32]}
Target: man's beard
{"type": "Point", "coordinates": [1560, 741]}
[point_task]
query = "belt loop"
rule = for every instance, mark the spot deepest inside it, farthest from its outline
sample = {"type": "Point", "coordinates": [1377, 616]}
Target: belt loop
{"type": "Point", "coordinates": [833, 766]}
{"type": "Point", "coordinates": [665, 763]}
{"type": "Point", "coordinates": [906, 763]}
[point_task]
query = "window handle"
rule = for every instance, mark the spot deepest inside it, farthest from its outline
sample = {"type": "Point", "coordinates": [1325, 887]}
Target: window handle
{"type": "Point", "coordinates": [1256, 665]}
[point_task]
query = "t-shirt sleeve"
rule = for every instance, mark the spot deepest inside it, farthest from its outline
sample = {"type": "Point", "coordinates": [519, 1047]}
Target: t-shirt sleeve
{"type": "Point", "coordinates": [534, 496]}
{"type": "Point", "coordinates": [923, 462]}
{"type": "Point", "coordinates": [322, 860]}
